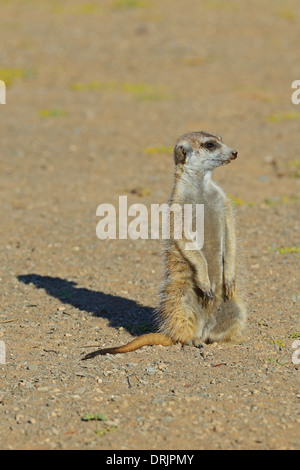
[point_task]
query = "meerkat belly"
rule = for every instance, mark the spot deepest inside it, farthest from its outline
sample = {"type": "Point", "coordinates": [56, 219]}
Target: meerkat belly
{"type": "Point", "coordinates": [213, 248]}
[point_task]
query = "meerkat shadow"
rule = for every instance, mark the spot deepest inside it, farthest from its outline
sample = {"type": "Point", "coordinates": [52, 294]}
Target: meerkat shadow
{"type": "Point", "coordinates": [119, 311]}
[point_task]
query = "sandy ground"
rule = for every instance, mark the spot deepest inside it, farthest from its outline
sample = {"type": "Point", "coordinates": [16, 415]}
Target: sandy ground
{"type": "Point", "coordinates": [97, 95]}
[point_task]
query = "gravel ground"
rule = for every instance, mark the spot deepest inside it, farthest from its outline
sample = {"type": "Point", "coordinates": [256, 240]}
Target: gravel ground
{"type": "Point", "coordinates": [97, 95]}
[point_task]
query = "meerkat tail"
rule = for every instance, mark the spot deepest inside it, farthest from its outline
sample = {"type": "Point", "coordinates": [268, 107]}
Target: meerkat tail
{"type": "Point", "coordinates": [144, 340]}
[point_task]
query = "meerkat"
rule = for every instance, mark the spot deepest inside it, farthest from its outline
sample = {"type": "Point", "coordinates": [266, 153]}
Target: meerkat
{"type": "Point", "coordinates": [199, 299]}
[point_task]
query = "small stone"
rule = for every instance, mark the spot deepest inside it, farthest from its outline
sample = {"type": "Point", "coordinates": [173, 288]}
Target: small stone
{"type": "Point", "coordinates": [19, 418]}
{"type": "Point", "coordinates": [265, 179]}
{"type": "Point", "coordinates": [167, 419]}
{"type": "Point", "coordinates": [218, 428]}
{"type": "Point", "coordinates": [29, 385]}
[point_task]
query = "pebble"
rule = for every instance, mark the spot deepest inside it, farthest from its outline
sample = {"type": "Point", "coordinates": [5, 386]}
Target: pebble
{"type": "Point", "coordinates": [29, 385]}
{"type": "Point", "coordinates": [265, 179]}
{"type": "Point", "coordinates": [157, 401]}
{"type": "Point", "coordinates": [19, 418]}
{"type": "Point", "coordinates": [167, 419]}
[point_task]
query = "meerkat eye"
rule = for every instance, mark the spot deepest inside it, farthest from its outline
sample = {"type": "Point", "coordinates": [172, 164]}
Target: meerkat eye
{"type": "Point", "coordinates": [210, 145]}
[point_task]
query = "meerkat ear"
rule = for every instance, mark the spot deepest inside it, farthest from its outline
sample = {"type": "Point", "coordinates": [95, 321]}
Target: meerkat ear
{"type": "Point", "coordinates": [180, 153]}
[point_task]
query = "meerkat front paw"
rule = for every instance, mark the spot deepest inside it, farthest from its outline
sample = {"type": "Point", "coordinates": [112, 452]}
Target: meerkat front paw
{"type": "Point", "coordinates": [207, 291]}
{"type": "Point", "coordinates": [229, 288]}
{"type": "Point", "coordinates": [208, 296]}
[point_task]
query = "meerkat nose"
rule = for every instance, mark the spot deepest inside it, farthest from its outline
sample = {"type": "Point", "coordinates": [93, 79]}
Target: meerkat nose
{"type": "Point", "coordinates": [234, 154]}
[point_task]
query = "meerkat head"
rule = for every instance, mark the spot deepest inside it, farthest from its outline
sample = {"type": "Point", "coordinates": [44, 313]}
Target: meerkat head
{"type": "Point", "coordinates": [202, 151]}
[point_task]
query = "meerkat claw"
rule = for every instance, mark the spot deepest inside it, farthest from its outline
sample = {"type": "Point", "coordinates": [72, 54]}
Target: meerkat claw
{"type": "Point", "coordinates": [229, 289]}
{"type": "Point", "coordinates": [208, 297]}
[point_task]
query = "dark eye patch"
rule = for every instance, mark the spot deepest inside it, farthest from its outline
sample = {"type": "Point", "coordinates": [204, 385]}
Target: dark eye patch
{"type": "Point", "coordinates": [210, 145]}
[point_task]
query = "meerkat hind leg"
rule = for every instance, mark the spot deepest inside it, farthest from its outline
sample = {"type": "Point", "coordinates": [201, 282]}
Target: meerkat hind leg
{"type": "Point", "coordinates": [181, 319]}
{"type": "Point", "coordinates": [230, 319]}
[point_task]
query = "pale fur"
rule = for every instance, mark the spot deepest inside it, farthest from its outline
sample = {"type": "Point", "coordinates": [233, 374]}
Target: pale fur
{"type": "Point", "coordinates": [199, 301]}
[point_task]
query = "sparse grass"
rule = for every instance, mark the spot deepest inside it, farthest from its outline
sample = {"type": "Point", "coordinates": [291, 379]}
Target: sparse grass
{"type": "Point", "coordinates": [284, 250]}
{"type": "Point", "coordinates": [45, 113]}
{"type": "Point", "coordinates": [295, 174]}
{"type": "Point", "coordinates": [94, 417]}
{"type": "Point", "coordinates": [276, 361]}
{"type": "Point", "coordinates": [293, 164]}
{"type": "Point", "coordinates": [137, 88]}
{"type": "Point", "coordinates": [286, 14]}
{"type": "Point", "coordinates": [140, 191]}
{"type": "Point", "coordinates": [129, 4]}
{"type": "Point", "coordinates": [282, 117]}
{"type": "Point", "coordinates": [220, 5]}
{"type": "Point", "coordinates": [295, 335]}
{"type": "Point", "coordinates": [107, 430]}
{"type": "Point", "coordinates": [281, 200]}
{"type": "Point", "coordinates": [239, 202]}
{"type": "Point", "coordinates": [160, 149]}
{"type": "Point", "coordinates": [10, 75]}
{"type": "Point", "coordinates": [145, 92]}
{"type": "Point", "coordinates": [86, 8]}
{"type": "Point", "coordinates": [140, 91]}
{"type": "Point", "coordinates": [294, 167]}
{"type": "Point", "coordinates": [278, 344]}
